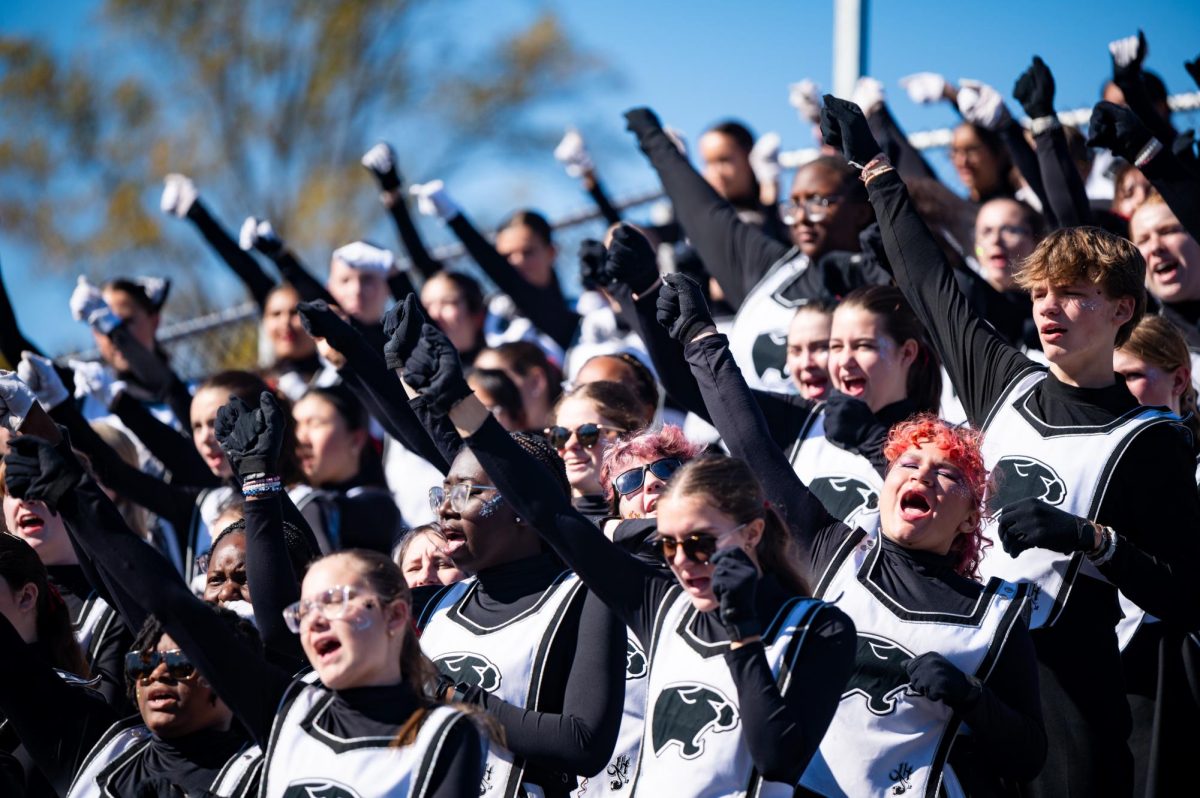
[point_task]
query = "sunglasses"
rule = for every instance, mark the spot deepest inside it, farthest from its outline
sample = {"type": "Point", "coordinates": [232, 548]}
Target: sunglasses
{"type": "Point", "coordinates": [586, 434]}
{"type": "Point", "coordinates": [696, 547]}
{"type": "Point", "coordinates": [140, 664]}
{"type": "Point", "coordinates": [631, 481]}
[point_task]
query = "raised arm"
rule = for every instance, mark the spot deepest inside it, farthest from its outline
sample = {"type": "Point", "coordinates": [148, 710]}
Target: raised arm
{"type": "Point", "coordinates": [173, 449]}
{"type": "Point", "coordinates": [260, 235]}
{"type": "Point", "coordinates": [380, 161]}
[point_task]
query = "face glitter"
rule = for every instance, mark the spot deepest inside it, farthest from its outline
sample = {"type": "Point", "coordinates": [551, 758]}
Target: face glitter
{"type": "Point", "coordinates": [489, 507]}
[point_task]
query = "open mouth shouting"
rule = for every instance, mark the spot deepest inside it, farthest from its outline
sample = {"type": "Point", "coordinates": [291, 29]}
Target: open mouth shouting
{"type": "Point", "coordinates": [914, 505]}
{"type": "Point", "coordinates": [854, 385]}
{"type": "Point", "coordinates": [161, 698]}
{"type": "Point", "coordinates": [29, 523]}
{"type": "Point", "coordinates": [326, 648]}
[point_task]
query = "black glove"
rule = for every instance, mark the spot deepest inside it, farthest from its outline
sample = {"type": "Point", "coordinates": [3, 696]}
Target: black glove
{"type": "Point", "coordinates": [1117, 128]}
{"type": "Point", "coordinates": [850, 424]}
{"type": "Point", "coordinates": [937, 678]}
{"type": "Point", "coordinates": [402, 325]}
{"type": "Point", "coordinates": [734, 582]}
{"type": "Point", "coordinates": [844, 127]}
{"type": "Point", "coordinates": [591, 264]}
{"type": "Point", "coordinates": [251, 437]}
{"type": "Point", "coordinates": [681, 307]}
{"type": "Point", "coordinates": [631, 260]}
{"type": "Point", "coordinates": [1193, 69]}
{"type": "Point", "coordinates": [320, 321]}
{"type": "Point", "coordinates": [36, 470]}
{"type": "Point", "coordinates": [434, 370]}
{"type": "Point", "coordinates": [1035, 90]}
{"type": "Point", "coordinates": [1033, 524]}
{"type": "Point", "coordinates": [641, 121]}
{"type": "Point", "coordinates": [1184, 146]}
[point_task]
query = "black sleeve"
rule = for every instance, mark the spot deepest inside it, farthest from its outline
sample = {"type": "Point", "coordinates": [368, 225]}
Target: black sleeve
{"type": "Point", "coordinates": [1026, 161]}
{"type": "Point", "coordinates": [108, 661]}
{"type": "Point", "coordinates": [545, 307]}
{"type": "Point", "coordinates": [1064, 188]}
{"type": "Point", "coordinates": [425, 264]}
{"type": "Point", "coordinates": [308, 287]}
{"type": "Point", "coordinates": [12, 340]}
{"type": "Point", "coordinates": [581, 738]}
{"type": "Point", "coordinates": [1179, 188]}
{"type": "Point", "coordinates": [665, 353]}
{"type": "Point", "coordinates": [273, 585]}
{"type": "Point", "coordinates": [736, 254]}
{"type": "Point", "coordinates": [173, 449]}
{"type": "Point", "coordinates": [783, 732]}
{"type": "Point", "coordinates": [980, 363]}
{"type": "Point", "coordinates": [243, 264]}
{"type": "Point", "coordinates": [1133, 85]}
{"type": "Point", "coordinates": [152, 371]}
{"type": "Point", "coordinates": [633, 589]}
{"type": "Point", "coordinates": [607, 210]}
{"type": "Point", "coordinates": [439, 427]}
{"type": "Point", "coordinates": [458, 770]}
{"type": "Point", "coordinates": [907, 159]}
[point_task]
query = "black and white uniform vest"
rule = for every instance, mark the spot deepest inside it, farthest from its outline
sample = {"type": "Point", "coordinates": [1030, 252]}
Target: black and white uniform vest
{"type": "Point", "coordinates": [507, 660]}
{"type": "Point", "coordinates": [1069, 467]}
{"type": "Point", "coordinates": [200, 531]}
{"type": "Point", "coordinates": [95, 625]}
{"type": "Point", "coordinates": [304, 759]}
{"type": "Point", "coordinates": [758, 339]}
{"type": "Point", "coordinates": [845, 482]}
{"type": "Point", "coordinates": [692, 741]}
{"type": "Point", "coordinates": [125, 741]}
{"type": "Point", "coordinates": [617, 777]}
{"type": "Point", "coordinates": [885, 740]}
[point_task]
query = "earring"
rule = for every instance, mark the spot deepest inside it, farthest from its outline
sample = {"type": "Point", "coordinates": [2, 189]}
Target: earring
{"type": "Point", "coordinates": [517, 519]}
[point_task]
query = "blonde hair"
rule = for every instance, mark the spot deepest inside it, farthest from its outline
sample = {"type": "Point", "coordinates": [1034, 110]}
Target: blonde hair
{"type": "Point", "coordinates": [1159, 343]}
{"type": "Point", "coordinates": [136, 517]}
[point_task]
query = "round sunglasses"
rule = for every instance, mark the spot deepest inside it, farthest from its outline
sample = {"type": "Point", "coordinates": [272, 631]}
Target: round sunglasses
{"type": "Point", "coordinates": [697, 547]}
{"type": "Point", "coordinates": [631, 481]}
{"type": "Point", "coordinates": [587, 434]}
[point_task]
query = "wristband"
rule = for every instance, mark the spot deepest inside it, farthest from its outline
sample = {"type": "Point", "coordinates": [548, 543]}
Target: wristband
{"type": "Point", "coordinates": [1043, 123]}
{"type": "Point", "coordinates": [1107, 549]}
{"type": "Point", "coordinates": [875, 167]}
{"type": "Point", "coordinates": [104, 321]}
{"type": "Point", "coordinates": [262, 486]}
{"type": "Point", "coordinates": [1153, 147]}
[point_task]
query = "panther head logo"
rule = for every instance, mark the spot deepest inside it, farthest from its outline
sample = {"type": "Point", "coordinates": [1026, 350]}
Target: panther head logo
{"type": "Point", "coordinates": [470, 669]}
{"type": "Point", "coordinates": [635, 659]}
{"type": "Point", "coordinates": [322, 788]}
{"type": "Point", "coordinates": [1022, 477]}
{"type": "Point", "coordinates": [845, 497]}
{"type": "Point", "coordinates": [684, 712]}
{"type": "Point", "coordinates": [879, 674]}
{"type": "Point", "coordinates": [768, 353]}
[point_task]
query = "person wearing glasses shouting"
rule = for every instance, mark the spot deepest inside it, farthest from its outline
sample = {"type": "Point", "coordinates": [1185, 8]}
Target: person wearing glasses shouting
{"type": "Point", "coordinates": [720, 633]}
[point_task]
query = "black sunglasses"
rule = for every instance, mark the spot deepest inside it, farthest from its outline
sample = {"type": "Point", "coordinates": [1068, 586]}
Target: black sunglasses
{"type": "Point", "coordinates": [632, 480]}
{"type": "Point", "coordinates": [586, 434]}
{"type": "Point", "coordinates": [140, 664]}
{"type": "Point", "coordinates": [697, 548]}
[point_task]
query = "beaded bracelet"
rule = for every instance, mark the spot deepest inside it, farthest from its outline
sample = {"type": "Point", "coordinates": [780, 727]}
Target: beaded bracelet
{"type": "Point", "coordinates": [875, 167]}
{"type": "Point", "coordinates": [1153, 147]}
{"type": "Point", "coordinates": [1107, 549]}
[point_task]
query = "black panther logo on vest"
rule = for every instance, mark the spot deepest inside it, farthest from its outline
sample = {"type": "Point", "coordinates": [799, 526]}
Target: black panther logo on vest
{"type": "Point", "coordinates": [1024, 478]}
{"type": "Point", "coordinates": [469, 669]}
{"type": "Point", "coordinates": [319, 789]}
{"type": "Point", "coordinates": [879, 674]}
{"type": "Point", "coordinates": [684, 712]}
{"type": "Point", "coordinates": [635, 660]}
{"type": "Point", "coordinates": [769, 352]}
{"type": "Point", "coordinates": [844, 496]}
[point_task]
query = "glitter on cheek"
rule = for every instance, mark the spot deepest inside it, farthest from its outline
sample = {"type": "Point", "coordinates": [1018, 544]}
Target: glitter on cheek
{"type": "Point", "coordinates": [489, 507]}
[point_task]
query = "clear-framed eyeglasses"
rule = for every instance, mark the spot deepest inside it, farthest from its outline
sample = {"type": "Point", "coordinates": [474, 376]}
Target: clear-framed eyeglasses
{"type": "Point", "coordinates": [460, 495]}
{"type": "Point", "coordinates": [816, 208]}
{"type": "Point", "coordinates": [332, 605]}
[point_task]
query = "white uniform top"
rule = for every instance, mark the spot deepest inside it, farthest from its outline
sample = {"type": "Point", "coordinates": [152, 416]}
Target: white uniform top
{"type": "Point", "coordinates": [884, 739]}
{"type": "Point", "coordinates": [692, 745]}
{"type": "Point", "coordinates": [845, 482]}
{"type": "Point", "coordinates": [507, 660]}
{"type": "Point", "coordinates": [305, 759]}
{"type": "Point", "coordinates": [758, 340]}
{"type": "Point", "coordinates": [97, 622]}
{"type": "Point", "coordinates": [125, 741]}
{"type": "Point", "coordinates": [617, 776]}
{"type": "Point", "coordinates": [1065, 466]}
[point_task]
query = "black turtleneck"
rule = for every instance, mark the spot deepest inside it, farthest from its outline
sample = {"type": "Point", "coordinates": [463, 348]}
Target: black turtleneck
{"type": "Point", "coordinates": [594, 506]}
{"type": "Point", "coordinates": [192, 761]}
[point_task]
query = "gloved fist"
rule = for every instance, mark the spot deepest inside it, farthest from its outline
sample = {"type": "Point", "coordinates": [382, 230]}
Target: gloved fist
{"type": "Point", "coordinates": [95, 379]}
{"type": "Point", "coordinates": [844, 127]}
{"type": "Point", "coordinates": [1034, 90]}
{"type": "Point", "coordinates": [1033, 524]}
{"type": "Point", "coordinates": [16, 400]}
{"type": "Point", "coordinates": [850, 424]}
{"type": "Point", "coordinates": [259, 234]}
{"type": "Point", "coordinates": [982, 105]}
{"type": "Point", "coordinates": [433, 369]}
{"type": "Point", "coordinates": [251, 437]}
{"type": "Point", "coordinates": [434, 200]}
{"type": "Point", "coordinates": [764, 158]}
{"type": "Point", "coordinates": [380, 161]}
{"type": "Point", "coordinates": [179, 193]}
{"type": "Point", "coordinates": [402, 325]}
{"type": "Point", "coordinates": [591, 263]}
{"type": "Point", "coordinates": [631, 260]}
{"type": "Point", "coordinates": [572, 153]}
{"type": "Point", "coordinates": [1118, 129]}
{"type": "Point", "coordinates": [42, 378]}
{"type": "Point", "coordinates": [805, 97]}
{"type": "Point", "coordinates": [641, 121]}
{"type": "Point", "coordinates": [924, 88]}
{"type": "Point", "coordinates": [320, 320]}
{"type": "Point", "coordinates": [867, 95]}
{"type": "Point", "coordinates": [937, 678]}
{"type": "Point", "coordinates": [1193, 69]}
{"type": "Point", "coordinates": [35, 470]}
{"type": "Point", "coordinates": [682, 309]}
{"type": "Point", "coordinates": [734, 583]}
{"type": "Point", "coordinates": [87, 304]}
{"type": "Point", "coordinates": [1127, 56]}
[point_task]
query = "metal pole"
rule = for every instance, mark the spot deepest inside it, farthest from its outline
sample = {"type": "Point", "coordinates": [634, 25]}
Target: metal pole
{"type": "Point", "coordinates": [849, 44]}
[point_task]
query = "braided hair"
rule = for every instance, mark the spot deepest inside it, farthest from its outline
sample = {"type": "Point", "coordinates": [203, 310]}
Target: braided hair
{"type": "Point", "coordinates": [540, 449]}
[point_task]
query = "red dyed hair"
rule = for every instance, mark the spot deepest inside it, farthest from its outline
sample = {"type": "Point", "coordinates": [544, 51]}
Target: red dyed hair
{"type": "Point", "coordinates": [642, 448]}
{"type": "Point", "coordinates": [962, 446]}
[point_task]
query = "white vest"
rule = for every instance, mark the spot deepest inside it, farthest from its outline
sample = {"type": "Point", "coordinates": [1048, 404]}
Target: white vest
{"type": "Point", "coordinates": [617, 776]}
{"type": "Point", "coordinates": [96, 623]}
{"type": "Point", "coordinates": [845, 482]}
{"type": "Point", "coordinates": [693, 745]}
{"type": "Point", "coordinates": [1069, 467]}
{"type": "Point", "coordinates": [885, 740]}
{"type": "Point", "coordinates": [304, 759]}
{"type": "Point", "coordinates": [507, 660]}
{"type": "Point", "coordinates": [125, 741]}
{"type": "Point", "coordinates": [758, 340]}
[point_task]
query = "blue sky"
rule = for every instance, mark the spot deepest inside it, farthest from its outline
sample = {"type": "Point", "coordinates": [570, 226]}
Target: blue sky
{"type": "Point", "coordinates": [699, 62]}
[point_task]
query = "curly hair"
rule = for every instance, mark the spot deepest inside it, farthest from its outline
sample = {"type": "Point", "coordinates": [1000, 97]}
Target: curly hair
{"type": "Point", "coordinates": [644, 447]}
{"type": "Point", "coordinates": [962, 446]}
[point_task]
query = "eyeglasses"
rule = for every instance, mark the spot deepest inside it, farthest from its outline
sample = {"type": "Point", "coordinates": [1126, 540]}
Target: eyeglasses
{"type": "Point", "coordinates": [587, 435]}
{"type": "Point", "coordinates": [1008, 232]}
{"type": "Point", "coordinates": [968, 152]}
{"type": "Point", "coordinates": [816, 208]}
{"type": "Point", "coordinates": [332, 605]}
{"type": "Point", "coordinates": [459, 493]}
{"type": "Point", "coordinates": [630, 481]}
{"type": "Point", "coordinates": [140, 664]}
{"type": "Point", "coordinates": [697, 547]}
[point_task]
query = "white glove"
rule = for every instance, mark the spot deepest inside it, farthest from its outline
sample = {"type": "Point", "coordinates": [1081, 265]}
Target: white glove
{"type": "Point", "coordinates": [867, 95]}
{"type": "Point", "coordinates": [15, 400]}
{"type": "Point", "coordinates": [924, 88]}
{"type": "Point", "coordinates": [572, 153]}
{"type": "Point", "coordinates": [380, 159]}
{"type": "Point", "coordinates": [258, 234]}
{"type": "Point", "coordinates": [433, 200]}
{"type": "Point", "coordinates": [179, 192]}
{"type": "Point", "coordinates": [677, 138]}
{"type": "Point", "coordinates": [365, 257]}
{"type": "Point", "coordinates": [42, 378]}
{"type": "Point", "coordinates": [1127, 50]}
{"type": "Point", "coordinates": [764, 158]}
{"type": "Point", "coordinates": [93, 378]}
{"type": "Point", "coordinates": [982, 105]}
{"type": "Point", "coordinates": [87, 304]}
{"type": "Point", "coordinates": [805, 97]}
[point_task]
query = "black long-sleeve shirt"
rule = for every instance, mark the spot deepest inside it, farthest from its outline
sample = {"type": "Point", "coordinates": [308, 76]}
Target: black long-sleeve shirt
{"type": "Point", "coordinates": [425, 264]}
{"type": "Point", "coordinates": [243, 264]}
{"type": "Point", "coordinates": [1066, 200]}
